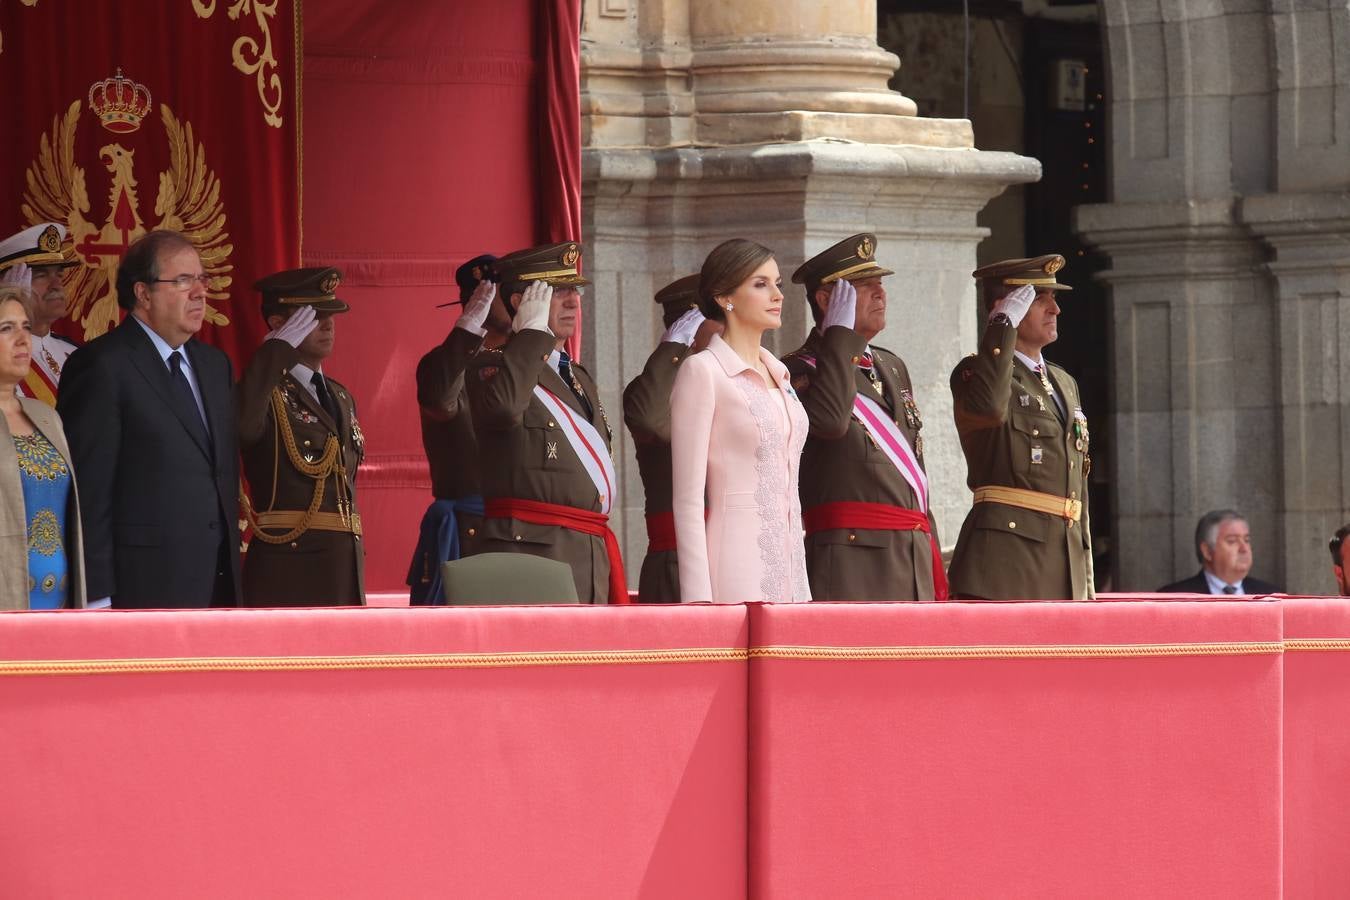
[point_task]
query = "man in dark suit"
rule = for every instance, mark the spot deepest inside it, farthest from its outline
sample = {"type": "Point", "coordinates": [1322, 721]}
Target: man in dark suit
{"type": "Point", "coordinates": [150, 419]}
{"type": "Point", "coordinates": [1223, 544]}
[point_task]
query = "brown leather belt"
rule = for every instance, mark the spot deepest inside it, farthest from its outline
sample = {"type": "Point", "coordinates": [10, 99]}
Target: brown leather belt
{"type": "Point", "coordinates": [323, 521]}
{"type": "Point", "coordinates": [1053, 505]}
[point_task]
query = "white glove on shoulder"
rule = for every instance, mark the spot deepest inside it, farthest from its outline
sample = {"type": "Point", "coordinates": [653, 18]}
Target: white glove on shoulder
{"type": "Point", "coordinates": [476, 310]}
{"type": "Point", "coordinates": [683, 329]}
{"type": "Point", "coordinates": [534, 306]}
{"type": "Point", "coordinates": [843, 305]}
{"type": "Point", "coordinates": [19, 276]}
{"type": "Point", "coordinates": [1015, 304]}
{"type": "Point", "coordinates": [295, 329]}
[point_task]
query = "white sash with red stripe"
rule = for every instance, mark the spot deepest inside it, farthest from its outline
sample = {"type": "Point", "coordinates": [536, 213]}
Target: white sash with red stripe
{"type": "Point", "coordinates": [586, 442]}
{"type": "Point", "coordinates": [894, 444]}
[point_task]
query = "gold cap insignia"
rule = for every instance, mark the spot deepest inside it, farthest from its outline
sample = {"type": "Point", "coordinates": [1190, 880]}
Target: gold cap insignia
{"type": "Point", "coordinates": [570, 255]}
{"type": "Point", "coordinates": [865, 248]}
{"type": "Point", "coordinates": [49, 240]}
{"type": "Point", "coordinates": [330, 282]}
{"type": "Point", "coordinates": [477, 273]}
{"type": "Point", "coordinates": [1054, 264]}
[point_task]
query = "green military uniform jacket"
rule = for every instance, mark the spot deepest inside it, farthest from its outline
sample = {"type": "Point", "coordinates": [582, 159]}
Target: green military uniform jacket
{"type": "Point", "coordinates": [1012, 436]}
{"type": "Point", "coordinates": [530, 458]}
{"type": "Point", "coordinates": [841, 463]}
{"type": "Point", "coordinates": [317, 566]}
{"type": "Point", "coordinates": [447, 427]}
{"type": "Point", "coordinates": [646, 412]}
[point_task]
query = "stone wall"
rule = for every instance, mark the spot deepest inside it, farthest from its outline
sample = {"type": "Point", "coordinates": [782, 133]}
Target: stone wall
{"type": "Point", "coordinates": [1229, 236]}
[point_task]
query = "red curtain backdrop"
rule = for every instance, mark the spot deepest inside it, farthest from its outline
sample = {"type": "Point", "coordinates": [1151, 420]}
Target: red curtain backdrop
{"type": "Point", "coordinates": [432, 132]}
{"type": "Point", "coordinates": [212, 153]}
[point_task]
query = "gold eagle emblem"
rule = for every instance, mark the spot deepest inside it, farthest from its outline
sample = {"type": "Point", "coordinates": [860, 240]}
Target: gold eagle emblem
{"type": "Point", "coordinates": [188, 201]}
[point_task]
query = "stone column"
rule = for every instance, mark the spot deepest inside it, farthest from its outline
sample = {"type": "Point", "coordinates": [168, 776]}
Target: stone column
{"type": "Point", "coordinates": [794, 140]}
{"type": "Point", "coordinates": [1230, 244]}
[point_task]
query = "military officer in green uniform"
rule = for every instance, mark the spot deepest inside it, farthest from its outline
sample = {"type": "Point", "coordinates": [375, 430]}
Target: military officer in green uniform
{"type": "Point", "coordinates": [646, 412]}
{"type": "Point", "coordinates": [1026, 442]}
{"type": "Point", "coordinates": [450, 527]}
{"type": "Point", "coordinates": [870, 533]}
{"type": "Point", "coordinates": [300, 444]}
{"type": "Point", "coordinates": [543, 439]}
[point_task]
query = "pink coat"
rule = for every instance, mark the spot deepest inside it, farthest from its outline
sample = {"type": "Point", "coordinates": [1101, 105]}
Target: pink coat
{"type": "Point", "coordinates": [734, 442]}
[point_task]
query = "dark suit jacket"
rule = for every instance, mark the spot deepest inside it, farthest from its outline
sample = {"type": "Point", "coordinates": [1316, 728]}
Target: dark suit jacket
{"type": "Point", "coordinates": [1196, 584]}
{"type": "Point", "coordinates": [156, 503]}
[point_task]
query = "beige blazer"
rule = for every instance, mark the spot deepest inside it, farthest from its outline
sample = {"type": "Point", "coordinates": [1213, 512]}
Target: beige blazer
{"type": "Point", "coordinates": [14, 520]}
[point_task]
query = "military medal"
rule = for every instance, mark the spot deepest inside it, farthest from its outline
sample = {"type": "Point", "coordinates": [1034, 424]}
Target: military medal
{"type": "Point", "coordinates": [1080, 430]}
{"type": "Point", "coordinates": [1036, 456]}
{"type": "Point", "coordinates": [912, 418]}
{"type": "Point", "coordinates": [358, 437]}
{"type": "Point", "coordinates": [551, 448]}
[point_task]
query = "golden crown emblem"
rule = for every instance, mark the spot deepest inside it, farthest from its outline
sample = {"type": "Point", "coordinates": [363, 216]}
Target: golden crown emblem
{"type": "Point", "coordinates": [570, 256]}
{"type": "Point", "coordinates": [865, 248]}
{"type": "Point", "coordinates": [49, 240]}
{"type": "Point", "coordinates": [330, 282]}
{"type": "Point", "coordinates": [119, 103]}
{"type": "Point", "coordinates": [1054, 264]}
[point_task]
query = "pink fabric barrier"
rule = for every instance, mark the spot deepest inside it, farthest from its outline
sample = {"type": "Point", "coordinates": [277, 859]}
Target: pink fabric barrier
{"type": "Point", "coordinates": [1317, 747]}
{"type": "Point", "coordinates": [374, 753]}
{"type": "Point", "coordinates": [895, 753]}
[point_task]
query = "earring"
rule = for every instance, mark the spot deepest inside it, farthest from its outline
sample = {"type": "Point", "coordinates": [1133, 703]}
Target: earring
{"type": "Point", "coordinates": [730, 307]}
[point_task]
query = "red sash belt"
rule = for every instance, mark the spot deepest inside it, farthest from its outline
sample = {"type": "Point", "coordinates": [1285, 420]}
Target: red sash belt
{"type": "Point", "coordinates": [878, 517]}
{"type": "Point", "coordinates": [583, 520]}
{"type": "Point", "coordinates": [660, 532]}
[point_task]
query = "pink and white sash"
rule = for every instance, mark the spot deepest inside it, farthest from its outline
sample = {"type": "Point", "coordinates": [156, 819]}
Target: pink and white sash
{"type": "Point", "coordinates": [894, 444]}
{"type": "Point", "coordinates": [586, 443]}
{"type": "Point", "coordinates": [888, 436]}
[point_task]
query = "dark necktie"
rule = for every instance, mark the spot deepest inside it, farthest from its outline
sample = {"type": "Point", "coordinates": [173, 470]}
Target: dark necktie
{"type": "Point", "coordinates": [869, 369]}
{"type": "Point", "coordinates": [187, 403]}
{"type": "Point", "coordinates": [325, 396]}
{"type": "Point", "coordinates": [565, 370]}
{"type": "Point", "coordinates": [1044, 376]}
{"type": "Point", "coordinates": [1229, 589]}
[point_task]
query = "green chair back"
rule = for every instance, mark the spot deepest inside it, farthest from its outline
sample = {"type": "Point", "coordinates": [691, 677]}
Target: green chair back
{"type": "Point", "coordinates": [507, 579]}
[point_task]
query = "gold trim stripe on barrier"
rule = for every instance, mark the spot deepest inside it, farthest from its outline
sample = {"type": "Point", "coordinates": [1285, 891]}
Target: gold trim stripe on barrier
{"type": "Point", "coordinates": [651, 657]}
{"type": "Point", "coordinates": [1048, 651]}
{"type": "Point", "coordinates": [1318, 645]}
{"type": "Point", "coordinates": [392, 661]}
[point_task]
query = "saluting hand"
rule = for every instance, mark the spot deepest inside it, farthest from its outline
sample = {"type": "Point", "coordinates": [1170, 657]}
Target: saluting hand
{"type": "Point", "coordinates": [1015, 304]}
{"type": "Point", "coordinates": [534, 305]}
{"type": "Point", "coordinates": [476, 309]}
{"type": "Point", "coordinates": [19, 276]}
{"type": "Point", "coordinates": [843, 306]}
{"type": "Point", "coordinates": [295, 329]}
{"type": "Point", "coordinates": [683, 329]}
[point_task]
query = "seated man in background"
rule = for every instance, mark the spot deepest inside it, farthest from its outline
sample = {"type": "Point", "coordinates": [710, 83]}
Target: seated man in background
{"type": "Point", "coordinates": [1223, 544]}
{"type": "Point", "coordinates": [1338, 560]}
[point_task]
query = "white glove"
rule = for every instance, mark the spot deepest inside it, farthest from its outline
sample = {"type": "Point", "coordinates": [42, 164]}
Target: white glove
{"type": "Point", "coordinates": [295, 329]}
{"type": "Point", "coordinates": [476, 310]}
{"type": "Point", "coordinates": [843, 306]}
{"type": "Point", "coordinates": [534, 306]}
{"type": "Point", "coordinates": [683, 329]}
{"type": "Point", "coordinates": [1015, 304]}
{"type": "Point", "coordinates": [19, 276]}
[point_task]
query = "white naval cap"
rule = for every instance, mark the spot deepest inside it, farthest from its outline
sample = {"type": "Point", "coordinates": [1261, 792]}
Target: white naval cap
{"type": "Point", "coordinates": [37, 246]}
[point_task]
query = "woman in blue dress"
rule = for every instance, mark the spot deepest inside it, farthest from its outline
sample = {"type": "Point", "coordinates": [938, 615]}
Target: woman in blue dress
{"type": "Point", "coordinates": [41, 553]}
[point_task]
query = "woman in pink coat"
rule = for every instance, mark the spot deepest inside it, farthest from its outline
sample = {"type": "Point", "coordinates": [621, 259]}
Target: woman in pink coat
{"type": "Point", "coordinates": [737, 430]}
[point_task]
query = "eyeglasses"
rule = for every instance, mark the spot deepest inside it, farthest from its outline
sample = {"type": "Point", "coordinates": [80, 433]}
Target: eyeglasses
{"type": "Point", "coordinates": [185, 282]}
